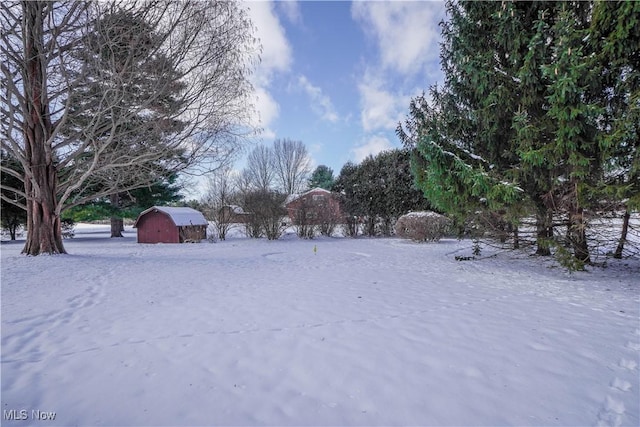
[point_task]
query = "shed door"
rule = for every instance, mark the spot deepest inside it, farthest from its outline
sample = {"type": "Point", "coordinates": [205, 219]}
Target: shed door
{"type": "Point", "coordinates": [157, 227]}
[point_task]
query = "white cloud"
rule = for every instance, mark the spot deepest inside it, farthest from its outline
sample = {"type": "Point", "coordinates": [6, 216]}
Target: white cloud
{"type": "Point", "coordinates": [276, 57]}
{"type": "Point", "coordinates": [380, 108]}
{"type": "Point", "coordinates": [374, 145]}
{"type": "Point", "coordinates": [276, 51]}
{"type": "Point", "coordinates": [320, 103]}
{"type": "Point", "coordinates": [291, 10]}
{"type": "Point", "coordinates": [407, 37]}
{"type": "Point", "coordinates": [407, 33]}
{"type": "Point", "coordinates": [268, 110]}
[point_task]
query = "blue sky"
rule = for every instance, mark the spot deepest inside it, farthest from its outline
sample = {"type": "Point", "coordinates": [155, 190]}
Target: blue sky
{"type": "Point", "coordinates": [339, 75]}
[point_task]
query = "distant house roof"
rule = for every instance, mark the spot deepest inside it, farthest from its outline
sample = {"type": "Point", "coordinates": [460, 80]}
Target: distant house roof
{"type": "Point", "coordinates": [235, 209]}
{"type": "Point", "coordinates": [179, 216]}
{"type": "Point", "coordinates": [293, 197]}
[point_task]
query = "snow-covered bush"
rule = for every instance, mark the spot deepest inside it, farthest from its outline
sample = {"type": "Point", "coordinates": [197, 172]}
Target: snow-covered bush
{"type": "Point", "coordinates": [422, 226]}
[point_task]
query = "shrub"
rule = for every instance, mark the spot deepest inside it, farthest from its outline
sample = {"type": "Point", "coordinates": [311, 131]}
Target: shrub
{"type": "Point", "coordinates": [329, 216]}
{"type": "Point", "coordinates": [304, 220]}
{"type": "Point", "coordinates": [68, 228]}
{"type": "Point", "coordinates": [351, 226]}
{"type": "Point", "coordinates": [267, 212]}
{"type": "Point", "coordinates": [422, 226]}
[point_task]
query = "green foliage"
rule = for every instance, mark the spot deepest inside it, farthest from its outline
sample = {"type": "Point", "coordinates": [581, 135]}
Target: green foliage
{"type": "Point", "coordinates": [379, 190]}
{"type": "Point", "coordinates": [12, 214]}
{"type": "Point", "coordinates": [539, 114]}
{"type": "Point", "coordinates": [322, 177]}
{"type": "Point", "coordinates": [124, 47]}
{"type": "Point", "coordinates": [615, 40]}
{"type": "Point", "coordinates": [129, 204]}
{"type": "Point", "coordinates": [566, 258]}
{"type": "Point", "coordinates": [164, 192]}
{"type": "Point", "coordinates": [96, 211]}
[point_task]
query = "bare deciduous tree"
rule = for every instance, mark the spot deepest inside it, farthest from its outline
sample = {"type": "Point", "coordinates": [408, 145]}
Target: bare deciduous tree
{"type": "Point", "coordinates": [291, 164]}
{"type": "Point", "coordinates": [199, 55]}
{"type": "Point", "coordinates": [259, 172]}
{"type": "Point", "coordinates": [221, 194]}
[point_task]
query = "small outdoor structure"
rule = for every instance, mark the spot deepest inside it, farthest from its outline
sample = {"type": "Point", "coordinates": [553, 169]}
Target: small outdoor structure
{"type": "Point", "coordinates": [161, 224]}
{"type": "Point", "coordinates": [316, 206]}
{"type": "Point", "coordinates": [234, 214]}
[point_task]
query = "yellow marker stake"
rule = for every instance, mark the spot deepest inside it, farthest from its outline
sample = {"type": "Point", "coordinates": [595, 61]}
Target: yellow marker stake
{"type": "Point", "coordinates": [315, 249]}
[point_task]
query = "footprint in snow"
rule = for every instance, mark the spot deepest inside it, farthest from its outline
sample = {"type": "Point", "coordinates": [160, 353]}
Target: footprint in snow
{"type": "Point", "coordinates": [611, 413]}
{"type": "Point", "coordinates": [620, 384]}
{"type": "Point", "coordinates": [628, 364]}
{"type": "Point", "coordinates": [633, 346]}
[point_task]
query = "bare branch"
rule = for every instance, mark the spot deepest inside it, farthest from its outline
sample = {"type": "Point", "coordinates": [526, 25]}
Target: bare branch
{"type": "Point", "coordinates": [99, 97]}
{"type": "Point", "coordinates": [292, 165]}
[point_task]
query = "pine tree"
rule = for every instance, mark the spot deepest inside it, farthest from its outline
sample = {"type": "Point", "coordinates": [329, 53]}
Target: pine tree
{"type": "Point", "coordinates": [12, 215]}
{"type": "Point", "coordinates": [615, 42]}
{"type": "Point", "coordinates": [461, 138]}
{"type": "Point", "coordinates": [538, 112]}
{"type": "Point", "coordinates": [321, 177]}
{"type": "Point", "coordinates": [379, 190]}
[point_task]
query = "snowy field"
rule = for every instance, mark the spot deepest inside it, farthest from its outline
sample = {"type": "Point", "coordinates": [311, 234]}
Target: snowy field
{"type": "Point", "coordinates": [357, 332]}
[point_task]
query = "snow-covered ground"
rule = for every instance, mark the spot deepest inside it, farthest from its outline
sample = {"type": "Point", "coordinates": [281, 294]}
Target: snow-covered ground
{"type": "Point", "coordinates": [322, 332]}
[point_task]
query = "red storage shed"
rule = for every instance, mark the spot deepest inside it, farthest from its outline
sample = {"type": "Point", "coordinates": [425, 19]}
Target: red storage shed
{"type": "Point", "coordinates": [160, 224]}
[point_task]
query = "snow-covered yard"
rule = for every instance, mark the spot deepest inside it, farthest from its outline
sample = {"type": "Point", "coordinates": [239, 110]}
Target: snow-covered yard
{"type": "Point", "coordinates": [357, 332]}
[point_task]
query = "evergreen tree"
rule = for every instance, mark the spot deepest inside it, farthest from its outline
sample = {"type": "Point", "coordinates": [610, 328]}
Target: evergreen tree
{"type": "Point", "coordinates": [462, 137]}
{"type": "Point", "coordinates": [14, 214]}
{"type": "Point", "coordinates": [615, 41]}
{"type": "Point", "coordinates": [124, 43]}
{"type": "Point", "coordinates": [130, 204]}
{"type": "Point", "coordinates": [321, 177]}
{"type": "Point", "coordinates": [346, 185]}
{"type": "Point", "coordinates": [556, 132]}
{"type": "Point", "coordinates": [536, 111]}
{"type": "Point", "coordinates": [379, 190]}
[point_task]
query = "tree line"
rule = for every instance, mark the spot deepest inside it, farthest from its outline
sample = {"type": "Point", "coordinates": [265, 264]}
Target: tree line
{"type": "Point", "coordinates": [372, 194]}
{"type": "Point", "coordinates": [536, 125]}
{"type": "Point", "coordinates": [538, 117]}
{"type": "Point", "coordinates": [272, 173]}
{"type": "Point", "coordinates": [377, 191]}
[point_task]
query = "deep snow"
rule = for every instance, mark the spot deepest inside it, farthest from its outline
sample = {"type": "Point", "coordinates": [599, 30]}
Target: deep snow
{"type": "Point", "coordinates": [355, 332]}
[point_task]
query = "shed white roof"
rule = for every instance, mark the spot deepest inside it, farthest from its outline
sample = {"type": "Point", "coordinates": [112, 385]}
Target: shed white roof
{"type": "Point", "coordinates": [180, 216]}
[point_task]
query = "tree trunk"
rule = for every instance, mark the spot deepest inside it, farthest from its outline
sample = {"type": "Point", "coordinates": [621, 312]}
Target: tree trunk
{"type": "Point", "coordinates": [544, 231]}
{"type": "Point", "coordinates": [623, 235]}
{"type": "Point", "coordinates": [13, 225]}
{"type": "Point", "coordinates": [371, 226]}
{"type": "Point", "coordinates": [577, 228]}
{"type": "Point", "coordinates": [117, 223]}
{"type": "Point", "coordinates": [44, 233]}
{"type": "Point", "coordinates": [578, 233]}
{"type": "Point", "coordinates": [117, 226]}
